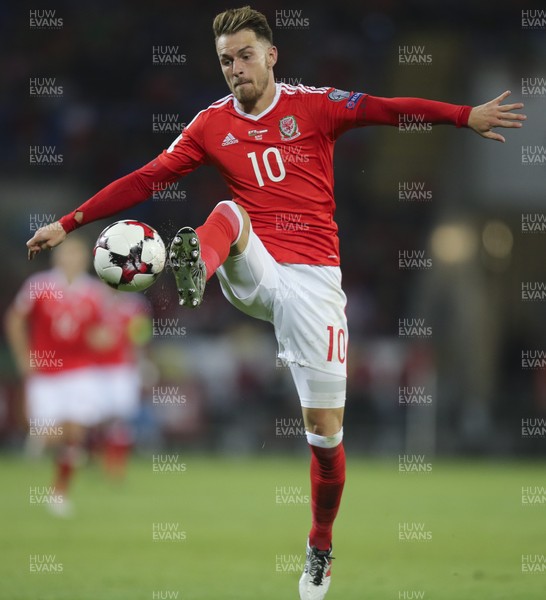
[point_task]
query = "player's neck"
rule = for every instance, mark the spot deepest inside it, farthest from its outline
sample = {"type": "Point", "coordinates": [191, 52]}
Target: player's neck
{"type": "Point", "coordinates": [265, 100]}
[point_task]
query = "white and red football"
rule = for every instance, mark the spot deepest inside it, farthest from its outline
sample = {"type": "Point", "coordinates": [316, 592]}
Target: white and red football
{"type": "Point", "coordinates": [129, 255]}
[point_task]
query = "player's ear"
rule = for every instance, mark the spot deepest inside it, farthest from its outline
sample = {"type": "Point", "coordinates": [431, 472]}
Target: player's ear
{"type": "Point", "coordinates": [271, 56]}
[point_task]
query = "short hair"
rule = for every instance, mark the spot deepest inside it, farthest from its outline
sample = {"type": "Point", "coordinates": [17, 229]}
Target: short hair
{"type": "Point", "coordinates": [236, 19]}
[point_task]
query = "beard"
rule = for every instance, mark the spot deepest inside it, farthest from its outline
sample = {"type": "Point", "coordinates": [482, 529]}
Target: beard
{"type": "Point", "coordinates": [253, 91]}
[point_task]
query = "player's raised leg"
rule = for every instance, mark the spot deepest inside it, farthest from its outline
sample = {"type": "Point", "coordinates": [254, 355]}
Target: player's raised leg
{"type": "Point", "coordinates": [324, 436]}
{"type": "Point", "coordinates": [195, 254]}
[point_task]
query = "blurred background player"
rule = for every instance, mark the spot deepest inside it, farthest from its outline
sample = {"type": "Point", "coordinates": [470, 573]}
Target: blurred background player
{"type": "Point", "coordinates": [55, 329]}
{"type": "Point", "coordinates": [125, 326]}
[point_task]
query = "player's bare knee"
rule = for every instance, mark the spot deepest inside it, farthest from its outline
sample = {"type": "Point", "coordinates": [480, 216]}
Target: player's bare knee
{"type": "Point", "coordinates": [324, 429]}
{"type": "Point", "coordinates": [323, 421]}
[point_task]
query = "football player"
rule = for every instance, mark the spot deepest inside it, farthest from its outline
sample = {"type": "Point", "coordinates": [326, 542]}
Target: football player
{"type": "Point", "coordinates": [274, 245]}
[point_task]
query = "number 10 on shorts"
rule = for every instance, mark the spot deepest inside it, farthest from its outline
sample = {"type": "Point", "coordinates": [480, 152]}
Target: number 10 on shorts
{"type": "Point", "coordinates": [337, 346]}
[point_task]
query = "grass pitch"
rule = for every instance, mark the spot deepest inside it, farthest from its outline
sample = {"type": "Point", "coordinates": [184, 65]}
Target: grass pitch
{"type": "Point", "coordinates": [238, 529]}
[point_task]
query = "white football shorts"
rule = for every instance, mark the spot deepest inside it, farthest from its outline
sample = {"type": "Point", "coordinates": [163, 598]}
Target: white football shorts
{"type": "Point", "coordinates": [306, 305]}
{"type": "Point", "coordinates": [121, 391]}
{"type": "Point", "coordinates": [68, 396]}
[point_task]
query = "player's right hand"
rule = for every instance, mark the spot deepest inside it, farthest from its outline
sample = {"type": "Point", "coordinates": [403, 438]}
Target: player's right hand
{"type": "Point", "coordinates": [45, 238]}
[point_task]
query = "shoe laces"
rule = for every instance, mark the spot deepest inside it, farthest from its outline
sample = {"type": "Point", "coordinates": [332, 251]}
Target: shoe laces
{"type": "Point", "coordinates": [319, 563]}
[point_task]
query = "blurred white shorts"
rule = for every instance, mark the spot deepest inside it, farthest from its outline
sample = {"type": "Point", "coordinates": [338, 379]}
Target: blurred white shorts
{"type": "Point", "coordinates": [306, 305]}
{"type": "Point", "coordinates": [73, 396]}
{"type": "Point", "coordinates": [121, 391]}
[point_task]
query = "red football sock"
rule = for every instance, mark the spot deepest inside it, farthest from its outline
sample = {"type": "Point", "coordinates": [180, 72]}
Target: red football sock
{"type": "Point", "coordinates": [327, 480]}
{"type": "Point", "coordinates": [117, 447]}
{"type": "Point", "coordinates": [216, 236]}
{"type": "Point", "coordinates": [64, 468]}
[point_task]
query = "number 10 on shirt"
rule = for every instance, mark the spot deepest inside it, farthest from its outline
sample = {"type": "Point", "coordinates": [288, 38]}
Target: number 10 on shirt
{"type": "Point", "coordinates": [266, 161]}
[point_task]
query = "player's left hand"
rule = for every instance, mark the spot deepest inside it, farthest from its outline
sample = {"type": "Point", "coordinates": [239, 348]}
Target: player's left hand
{"type": "Point", "coordinates": [484, 118]}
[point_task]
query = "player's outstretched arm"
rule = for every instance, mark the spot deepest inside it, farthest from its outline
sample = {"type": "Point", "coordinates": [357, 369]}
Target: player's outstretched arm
{"type": "Point", "coordinates": [484, 118]}
{"type": "Point", "coordinates": [119, 195]}
{"type": "Point", "coordinates": [375, 110]}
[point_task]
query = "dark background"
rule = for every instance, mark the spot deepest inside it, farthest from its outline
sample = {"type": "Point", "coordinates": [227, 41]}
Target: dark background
{"type": "Point", "coordinates": [470, 228]}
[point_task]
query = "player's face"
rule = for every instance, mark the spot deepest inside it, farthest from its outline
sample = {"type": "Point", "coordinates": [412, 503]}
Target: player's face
{"type": "Point", "coordinates": [247, 64]}
{"type": "Point", "coordinates": [72, 258]}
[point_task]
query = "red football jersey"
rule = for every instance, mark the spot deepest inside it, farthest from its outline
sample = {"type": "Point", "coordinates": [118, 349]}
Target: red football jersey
{"type": "Point", "coordinates": [60, 315]}
{"type": "Point", "coordinates": [122, 314]}
{"type": "Point", "coordinates": [278, 165]}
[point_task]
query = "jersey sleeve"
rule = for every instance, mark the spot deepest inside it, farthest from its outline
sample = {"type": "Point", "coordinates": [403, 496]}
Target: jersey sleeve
{"type": "Point", "coordinates": [184, 155]}
{"type": "Point", "coordinates": [187, 152]}
{"type": "Point", "coordinates": [340, 110]}
{"type": "Point", "coordinates": [374, 110]}
{"type": "Point", "coordinates": [336, 111]}
{"type": "Point", "coordinates": [121, 194]}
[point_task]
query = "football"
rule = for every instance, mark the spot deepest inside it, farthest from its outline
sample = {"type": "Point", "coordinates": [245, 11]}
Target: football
{"type": "Point", "coordinates": [129, 255]}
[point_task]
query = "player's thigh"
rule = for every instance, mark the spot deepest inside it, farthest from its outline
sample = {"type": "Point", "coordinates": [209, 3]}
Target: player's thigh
{"type": "Point", "coordinates": [311, 325]}
{"type": "Point", "coordinates": [83, 398]}
{"type": "Point", "coordinates": [249, 280]}
{"type": "Point", "coordinates": [322, 395]}
{"type": "Point", "coordinates": [44, 401]}
{"type": "Point", "coordinates": [122, 392]}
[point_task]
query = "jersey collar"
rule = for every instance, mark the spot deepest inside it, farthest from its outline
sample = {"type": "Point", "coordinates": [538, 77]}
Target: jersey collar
{"type": "Point", "coordinates": [77, 281]}
{"type": "Point", "coordinates": [264, 112]}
